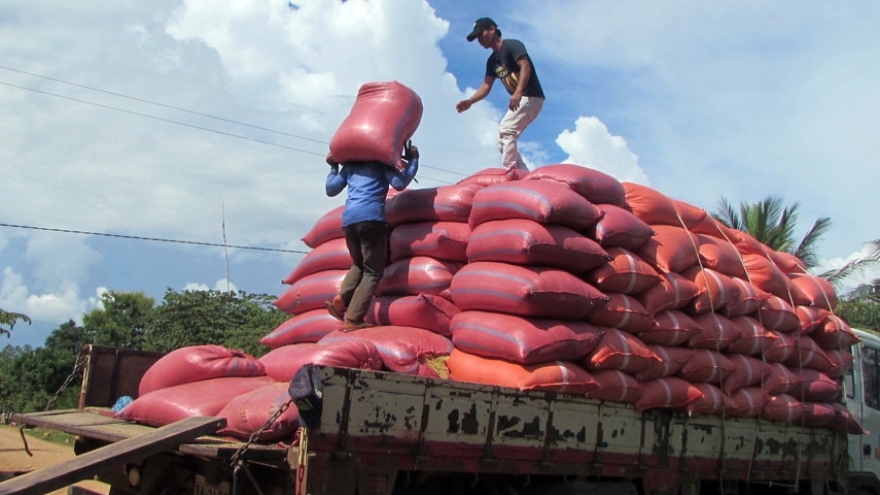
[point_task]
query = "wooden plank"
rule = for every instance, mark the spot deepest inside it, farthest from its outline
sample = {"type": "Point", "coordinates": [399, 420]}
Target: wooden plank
{"type": "Point", "coordinates": [92, 463]}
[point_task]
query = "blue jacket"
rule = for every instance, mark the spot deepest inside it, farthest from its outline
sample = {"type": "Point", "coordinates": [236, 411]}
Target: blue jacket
{"type": "Point", "coordinates": [367, 188]}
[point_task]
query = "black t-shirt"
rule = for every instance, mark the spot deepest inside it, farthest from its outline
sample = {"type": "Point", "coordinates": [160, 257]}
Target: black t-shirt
{"type": "Point", "coordinates": [502, 65]}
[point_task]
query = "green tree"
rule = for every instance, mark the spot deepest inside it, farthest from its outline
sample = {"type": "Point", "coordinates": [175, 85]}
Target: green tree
{"type": "Point", "coordinates": [235, 320]}
{"type": "Point", "coordinates": [9, 319]}
{"type": "Point", "coordinates": [772, 223]}
{"type": "Point", "coordinates": [121, 321]}
{"type": "Point", "coordinates": [860, 313]}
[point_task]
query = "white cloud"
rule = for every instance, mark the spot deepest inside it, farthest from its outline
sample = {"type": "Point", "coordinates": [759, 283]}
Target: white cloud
{"type": "Point", "coordinates": [592, 145]}
{"type": "Point", "coordinates": [221, 285]}
{"type": "Point", "coordinates": [50, 308]}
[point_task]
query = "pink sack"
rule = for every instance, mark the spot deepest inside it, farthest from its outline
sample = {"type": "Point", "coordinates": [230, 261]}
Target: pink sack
{"type": "Point", "coordinates": [305, 327]}
{"type": "Point", "coordinates": [384, 116]}
{"type": "Point", "coordinates": [780, 380]}
{"type": "Point", "coordinates": [282, 363]}
{"type": "Point", "coordinates": [201, 398]}
{"type": "Point", "coordinates": [671, 328]}
{"type": "Point", "coordinates": [817, 290]}
{"type": "Point", "coordinates": [418, 275]}
{"type": "Point", "coordinates": [310, 292]}
{"type": "Point", "coordinates": [671, 249]}
{"type": "Point", "coordinates": [717, 332]}
{"type": "Point", "coordinates": [330, 255]}
{"type": "Point", "coordinates": [542, 201]}
{"type": "Point", "coordinates": [717, 290]}
{"type": "Point", "coordinates": [556, 376]}
{"type": "Point", "coordinates": [748, 371]}
{"type": "Point", "coordinates": [808, 354]}
{"type": "Point", "coordinates": [626, 273]}
{"type": "Point", "coordinates": [811, 318]}
{"type": "Point", "coordinates": [835, 334]}
{"type": "Point", "coordinates": [526, 242]}
{"type": "Point", "coordinates": [596, 186]}
{"type": "Point", "coordinates": [618, 227]}
{"type": "Point", "coordinates": [748, 402]}
{"type": "Point", "coordinates": [668, 392]}
{"type": "Point", "coordinates": [196, 363]}
{"type": "Point", "coordinates": [817, 414]}
{"type": "Point", "coordinates": [327, 228]}
{"type": "Point", "coordinates": [713, 401]}
{"type": "Point", "coordinates": [776, 314]}
{"type": "Point", "coordinates": [783, 408]}
{"type": "Point", "coordinates": [438, 204]}
{"type": "Point", "coordinates": [671, 360]}
{"type": "Point", "coordinates": [522, 340]}
{"type": "Point", "coordinates": [845, 421]}
{"type": "Point", "coordinates": [493, 175]}
{"type": "Point", "coordinates": [750, 299]}
{"type": "Point", "coordinates": [439, 240]}
{"type": "Point", "coordinates": [721, 256]}
{"type": "Point", "coordinates": [765, 275]}
{"type": "Point", "coordinates": [650, 206]}
{"type": "Point", "coordinates": [525, 291]}
{"type": "Point", "coordinates": [248, 412]}
{"type": "Point", "coordinates": [615, 386]}
{"type": "Point", "coordinates": [410, 350]}
{"type": "Point", "coordinates": [426, 311]}
{"type": "Point", "coordinates": [816, 386]}
{"type": "Point", "coordinates": [754, 338]}
{"type": "Point", "coordinates": [706, 366]}
{"type": "Point", "coordinates": [673, 292]}
{"type": "Point", "coordinates": [781, 348]}
{"type": "Point", "coordinates": [841, 361]}
{"type": "Point", "coordinates": [619, 351]}
{"type": "Point", "coordinates": [624, 313]}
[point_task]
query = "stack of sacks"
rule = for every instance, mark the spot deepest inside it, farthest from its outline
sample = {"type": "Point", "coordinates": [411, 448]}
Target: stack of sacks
{"type": "Point", "coordinates": [211, 380]}
{"type": "Point", "coordinates": [760, 329]}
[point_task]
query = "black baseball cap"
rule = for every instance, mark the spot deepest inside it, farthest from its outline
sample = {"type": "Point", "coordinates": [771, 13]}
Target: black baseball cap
{"type": "Point", "coordinates": [481, 25]}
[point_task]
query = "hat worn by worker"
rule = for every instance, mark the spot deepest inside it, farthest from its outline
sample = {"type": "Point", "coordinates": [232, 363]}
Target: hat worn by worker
{"type": "Point", "coordinates": [482, 24]}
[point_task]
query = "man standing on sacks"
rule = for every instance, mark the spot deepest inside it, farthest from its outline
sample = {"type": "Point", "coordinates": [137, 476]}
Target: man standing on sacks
{"type": "Point", "coordinates": [365, 228]}
{"type": "Point", "coordinates": [511, 63]}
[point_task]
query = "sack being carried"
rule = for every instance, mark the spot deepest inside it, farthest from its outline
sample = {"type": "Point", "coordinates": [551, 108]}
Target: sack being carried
{"type": "Point", "coordinates": [384, 116]}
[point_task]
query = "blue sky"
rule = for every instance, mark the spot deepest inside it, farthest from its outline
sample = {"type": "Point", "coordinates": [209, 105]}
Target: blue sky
{"type": "Point", "coordinates": [697, 99]}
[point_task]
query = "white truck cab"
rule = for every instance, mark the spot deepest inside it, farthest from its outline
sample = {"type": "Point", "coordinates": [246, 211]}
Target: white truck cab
{"type": "Point", "coordinates": [862, 385]}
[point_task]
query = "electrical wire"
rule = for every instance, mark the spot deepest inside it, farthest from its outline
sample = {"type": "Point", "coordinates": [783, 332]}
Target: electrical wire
{"type": "Point", "coordinates": [156, 239]}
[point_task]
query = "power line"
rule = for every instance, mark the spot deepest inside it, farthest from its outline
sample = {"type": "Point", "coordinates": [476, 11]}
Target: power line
{"type": "Point", "coordinates": [156, 239]}
{"type": "Point", "coordinates": [193, 112]}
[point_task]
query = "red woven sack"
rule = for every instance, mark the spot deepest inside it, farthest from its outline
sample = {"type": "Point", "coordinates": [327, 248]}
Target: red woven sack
{"type": "Point", "coordinates": [327, 228]}
{"type": "Point", "coordinates": [439, 204]}
{"type": "Point", "coordinates": [753, 340]}
{"type": "Point", "coordinates": [384, 116]}
{"type": "Point", "coordinates": [808, 354]}
{"type": "Point", "coordinates": [282, 363]}
{"type": "Point", "coordinates": [706, 366]}
{"type": "Point", "coordinates": [418, 275]}
{"type": "Point", "coordinates": [841, 361]}
{"type": "Point", "coordinates": [522, 340]}
{"type": "Point", "coordinates": [409, 350]}
{"type": "Point", "coordinates": [624, 313]}
{"type": "Point", "coordinates": [671, 249]}
{"type": "Point", "coordinates": [650, 206]}
{"type": "Point", "coordinates": [310, 292]}
{"type": "Point", "coordinates": [721, 256]}
{"type": "Point", "coordinates": [818, 291]}
{"type": "Point", "coordinates": [783, 408]}
{"type": "Point", "coordinates": [542, 201]}
{"type": "Point", "coordinates": [330, 255]}
{"type": "Point", "coordinates": [748, 402]}
{"type": "Point", "coordinates": [305, 327]}
{"type": "Point", "coordinates": [817, 414]}
{"type": "Point", "coordinates": [717, 332]}
{"type": "Point", "coordinates": [673, 292]}
{"type": "Point", "coordinates": [671, 360]}
{"type": "Point", "coordinates": [765, 275]}
{"type": "Point", "coordinates": [782, 347]}
{"type": "Point", "coordinates": [626, 273]}
{"type": "Point", "coordinates": [615, 386]}
{"type": "Point", "coordinates": [780, 380]}
{"type": "Point", "coordinates": [248, 412]}
{"type": "Point", "coordinates": [439, 240]}
{"type": "Point", "coordinates": [525, 291]}
{"type": "Point", "coordinates": [493, 175]}
{"type": "Point", "coordinates": [202, 398]}
{"type": "Point", "coordinates": [672, 328]}
{"type": "Point", "coordinates": [596, 186]}
{"type": "Point", "coordinates": [747, 371]}
{"type": "Point", "coordinates": [619, 351]}
{"type": "Point", "coordinates": [816, 386]}
{"type": "Point", "coordinates": [835, 334]}
{"type": "Point", "coordinates": [776, 314]}
{"type": "Point", "coordinates": [426, 311]}
{"type": "Point", "coordinates": [811, 317]}
{"type": "Point", "coordinates": [668, 392]}
{"type": "Point", "coordinates": [618, 227]}
{"type": "Point", "coordinates": [526, 242]}
{"type": "Point", "coordinates": [556, 376]}
{"type": "Point", "coordinates": [713, 401]}
{"type": "Point", "coordinates": [750, 299]}
{"type": "Point", "coordinates": [716, 290]}
{"type": "Point", "coordinates": [196, 363]}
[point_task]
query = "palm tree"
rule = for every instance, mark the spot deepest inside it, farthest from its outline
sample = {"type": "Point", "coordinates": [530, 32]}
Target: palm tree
{"type": "Point", "coordinates": [772, 223]}
{"type": "Point", "coordinates": [10, 319]}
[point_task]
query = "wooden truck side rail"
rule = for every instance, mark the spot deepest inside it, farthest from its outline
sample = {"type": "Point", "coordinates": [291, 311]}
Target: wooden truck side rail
{"type": "Point", "coordinates": [373, 424]}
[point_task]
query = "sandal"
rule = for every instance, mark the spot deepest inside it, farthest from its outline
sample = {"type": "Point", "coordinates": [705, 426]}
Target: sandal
{"type": "Point", "coordinates": [333, 311]}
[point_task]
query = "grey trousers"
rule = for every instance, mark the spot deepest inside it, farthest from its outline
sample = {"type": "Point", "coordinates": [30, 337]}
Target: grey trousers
{"type": "Point", "coordinates": [368, 246]}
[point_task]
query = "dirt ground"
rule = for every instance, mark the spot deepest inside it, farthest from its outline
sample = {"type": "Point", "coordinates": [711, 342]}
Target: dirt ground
{"type": "Point", "coordinates": [15, 460]}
